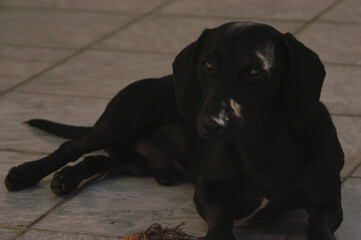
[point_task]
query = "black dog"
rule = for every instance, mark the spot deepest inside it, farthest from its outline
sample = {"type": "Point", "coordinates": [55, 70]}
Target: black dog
{"type": "Point", "coordinates": [240, 118]}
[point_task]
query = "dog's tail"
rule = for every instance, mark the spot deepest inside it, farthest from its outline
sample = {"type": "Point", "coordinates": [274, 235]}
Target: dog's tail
{"type": "Point", "coordinates": [58, 129]}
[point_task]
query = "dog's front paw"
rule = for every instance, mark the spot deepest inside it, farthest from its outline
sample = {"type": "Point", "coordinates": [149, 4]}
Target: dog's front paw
{"type": "Point", "coordinates": [65, 181]}
{"type": "Point", "coordinates": [22, 176]}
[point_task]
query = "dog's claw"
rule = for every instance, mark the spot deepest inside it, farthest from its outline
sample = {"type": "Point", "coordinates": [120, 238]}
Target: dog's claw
{"type": "Point", "coordinates": [22, 176]}
{"type": "Point", "coordinates": [64, 182]}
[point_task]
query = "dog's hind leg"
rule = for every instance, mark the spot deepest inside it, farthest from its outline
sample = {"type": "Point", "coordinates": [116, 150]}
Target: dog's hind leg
{"type": "Point", "coordinates": [30, 173]}
{"type": "Point", "coordinates": [129, 162]}
{"type": "Point", "coordinates": [134, 112]}
{"type": "Point", "coordinates": [68, 178]}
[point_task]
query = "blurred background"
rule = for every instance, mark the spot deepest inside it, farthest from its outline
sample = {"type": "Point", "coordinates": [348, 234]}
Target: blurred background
{"type": "Point", "coordinates": [63, 60]}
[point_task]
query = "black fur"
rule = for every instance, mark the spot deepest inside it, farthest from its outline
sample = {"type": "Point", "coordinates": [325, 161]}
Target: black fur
{"type": "Point", "coordinates": [240, 118]}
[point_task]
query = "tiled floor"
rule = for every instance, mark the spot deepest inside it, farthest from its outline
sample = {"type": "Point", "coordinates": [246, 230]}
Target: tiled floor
{"type": "Point", "coordinates": [63, 60]}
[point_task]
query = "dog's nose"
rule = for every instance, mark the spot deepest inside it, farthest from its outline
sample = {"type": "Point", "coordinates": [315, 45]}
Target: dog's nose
{"type": "Point", "coordinates": [215, 126]}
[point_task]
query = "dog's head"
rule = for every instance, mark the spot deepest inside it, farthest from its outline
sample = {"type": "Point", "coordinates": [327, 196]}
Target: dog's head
{"type": "Point", "coordinates": [233, 73]}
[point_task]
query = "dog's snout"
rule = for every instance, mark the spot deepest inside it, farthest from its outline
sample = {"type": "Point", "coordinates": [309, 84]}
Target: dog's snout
{"type": "Point", "coordinates": [215, 126]}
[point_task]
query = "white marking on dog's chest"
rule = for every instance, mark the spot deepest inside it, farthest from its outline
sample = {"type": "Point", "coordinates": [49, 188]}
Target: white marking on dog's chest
{"type": "Point", "coordinates": [243, 222]}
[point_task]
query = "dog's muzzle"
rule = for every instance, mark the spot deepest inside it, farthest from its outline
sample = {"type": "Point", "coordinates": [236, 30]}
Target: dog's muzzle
{"type": "Point", "coordinates": [222, 125]}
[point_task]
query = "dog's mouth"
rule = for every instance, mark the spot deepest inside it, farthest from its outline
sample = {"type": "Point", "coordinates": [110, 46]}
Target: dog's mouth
{"type": "Point", "coordinates": [211, 128]}
{"type": "Point", "coordinates": [220, 120]}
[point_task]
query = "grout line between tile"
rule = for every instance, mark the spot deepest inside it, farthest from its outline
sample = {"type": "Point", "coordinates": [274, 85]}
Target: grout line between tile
{"type": "Point", "coordinates": [69, 9]}
{"type": "Point", "coordinates": [337, 22]}
{"type": "Point", "coordinates": [44, 70]}
{"type": "Point", "coordinates": [65, 200]}
{"type": "Point", "coordinates": [3, 226]}
{"type": "Point", "coordinates": [343, 64]}
{"type": "Point", "coordinates": [356, 177]}
{"type": "Point", "coordinates": [17, 235]}
{"type": "Point", "coordinates": [92, 49]}
{"type": "Point", "coordinates": [23, 151]}
{"type": "Point", "coordinates": [19, 230]}
{"type": "Point", "coordinates": [9, 6]}
{"type": "Point", "coordinates": [21, 45]}
{"type": "Point", "coordinates": [88, 46]}
{"type": "Point", "coordinates": [317, 17]}
{"type": "Point", "coordinates": [230, 18]}
{"type": "Point", "coordinates": [133, 51]}
{"type": "Point", "coordinates": [350, 174]}
{"type": "Point", "coordinates": [79, 233]}
{"type": "Point", "coordinates": [345, 115]}
{"type": "Point", "coordinates": [64, 95]}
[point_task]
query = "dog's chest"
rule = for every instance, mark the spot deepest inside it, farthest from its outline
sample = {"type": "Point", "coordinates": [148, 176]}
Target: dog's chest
{"type": "Point", "coordinates": [244, 221]}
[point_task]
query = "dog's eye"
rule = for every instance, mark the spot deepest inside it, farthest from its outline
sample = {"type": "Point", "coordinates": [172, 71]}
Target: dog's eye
{"type": "Point", "coordinates": [255, 71]}
{"type": "Point", "coordinates": [209, 66]}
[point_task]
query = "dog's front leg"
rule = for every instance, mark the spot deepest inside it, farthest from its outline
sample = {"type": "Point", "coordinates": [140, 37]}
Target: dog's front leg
{"type": "Point", "coordinates": [214, 208]}
{"type": "Point", "coordinates": [323, 222]}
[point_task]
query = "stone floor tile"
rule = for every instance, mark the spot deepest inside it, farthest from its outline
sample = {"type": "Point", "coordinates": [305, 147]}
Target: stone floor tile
{"type": "Point", "coordinates": [56, 28]}
{"type": "Point", "coordinates": [121, 206]}
{"type": "Point", "coordinates": [339, 43]}
{"type": "Point", "coordinates": [351, 203]}
{"type": "Point", "coordinates": [19, 63]}
{"type": "Point", "coordinates": [100, 73]}
{"type": "Point", "coordinates": [6, 233]}
{"type": "Point", "coordinates": [21, 208]}
{"type": "Point", "coordinates": [347, 10]}
{"type": "Point", "coordinates": [351, 163]}
{"type": "Point", "coordinates": [124, 205]}
{"type": "Point", "coordinates": [16, 108]}
{"type": "Point", "coordinates": [248, 8]}
{"type": "Point", "coordinates": [357, 173]}
{"type": "Point", "coordinates": [348, 129]}
{"type": "Point", "coordinates": [136, 6]}
{"type": "Point", "coordinates": [342, 89]}
{"type": "Point", "coordinates": [159, 34]}
{"type": "Point", "coordinates": [50, 235]}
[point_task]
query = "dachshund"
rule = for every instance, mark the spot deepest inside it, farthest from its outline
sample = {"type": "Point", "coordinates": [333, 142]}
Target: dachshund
{"type": "Point", "coordinates": [240, 118]}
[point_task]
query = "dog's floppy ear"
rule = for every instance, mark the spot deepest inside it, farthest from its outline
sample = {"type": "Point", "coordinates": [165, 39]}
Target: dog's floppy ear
{"type": "Point", "coordinates": [302, 86]}
{"type": "Point", "coordinates": [187, 88]}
